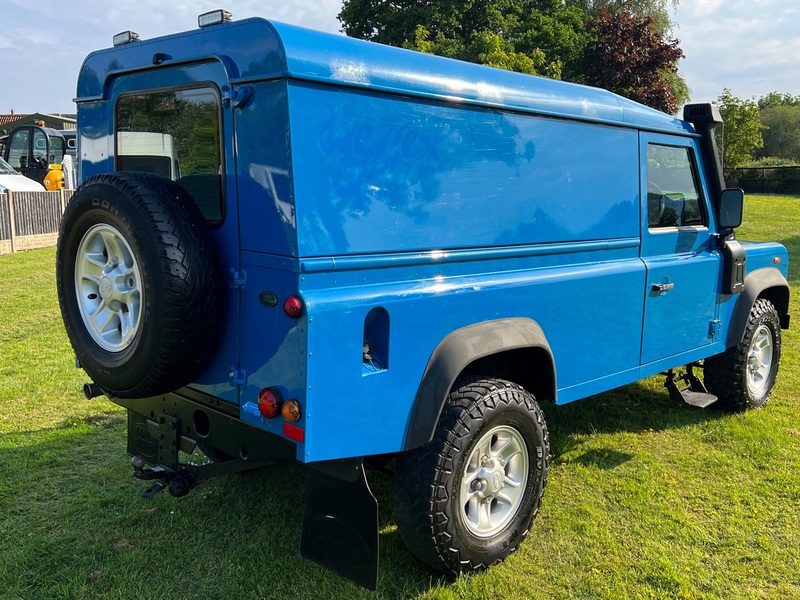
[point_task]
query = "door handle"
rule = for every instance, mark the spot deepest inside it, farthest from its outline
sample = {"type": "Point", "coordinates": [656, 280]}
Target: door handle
{"type": "Point", "coordinates": [662, 287]}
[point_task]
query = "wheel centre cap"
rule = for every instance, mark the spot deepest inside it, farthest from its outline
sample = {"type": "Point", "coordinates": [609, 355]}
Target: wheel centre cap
{"type": "Point", "coordinates": [496, 482]}
{"type": "Point", "coordinates": [106, 289]}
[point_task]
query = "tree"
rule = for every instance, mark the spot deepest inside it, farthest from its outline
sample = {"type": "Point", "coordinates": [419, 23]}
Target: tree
{"type": "Point", "coordinates": [629, 57]}
{"type": "Point", "coordinates": [658, 10]}
{"type": "Point", "coordinates": [542, 37]}
{"type": "Point", "coordinates": [774, 99]}
{"type": "Point", "coordinates": [740, 133]}
{"type": "Point", "coordinates": [781, 131]}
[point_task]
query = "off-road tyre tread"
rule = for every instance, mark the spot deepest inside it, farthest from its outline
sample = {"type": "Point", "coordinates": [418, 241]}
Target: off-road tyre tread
{"type": "Point", "coordinates": [725, 374]}
{"type": "Point", "coordinates": [420, 491]}
{"type": "Point", "coordinates": [187, 280]}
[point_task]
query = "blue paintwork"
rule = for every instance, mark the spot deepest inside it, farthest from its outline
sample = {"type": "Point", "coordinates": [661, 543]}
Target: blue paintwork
{"type": "Point", "coordinates": [410, 195]}
{"type": "Point", "coordinates": [256, 50]}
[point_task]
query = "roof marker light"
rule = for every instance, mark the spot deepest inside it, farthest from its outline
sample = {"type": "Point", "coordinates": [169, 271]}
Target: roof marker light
{"type": "Point", "coordinates": [215, 17]}
{"type": "Point", "coordinates": [125, 37]}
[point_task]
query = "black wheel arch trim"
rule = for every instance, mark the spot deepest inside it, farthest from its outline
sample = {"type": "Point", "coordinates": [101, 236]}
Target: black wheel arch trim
{"type": "Point", "coordinates": [768, 283]}
{"type": "Point", "coordinates": [458, 350]}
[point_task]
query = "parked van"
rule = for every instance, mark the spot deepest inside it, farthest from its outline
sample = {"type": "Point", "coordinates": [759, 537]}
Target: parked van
{"type": "Point", "coordinates": [374, 254]}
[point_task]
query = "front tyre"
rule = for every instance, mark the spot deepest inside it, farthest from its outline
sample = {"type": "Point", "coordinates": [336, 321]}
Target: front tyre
{"type": "Point", "coordinates": [465, 500]}
{"type": "Point", "coordinates": [743, 377]}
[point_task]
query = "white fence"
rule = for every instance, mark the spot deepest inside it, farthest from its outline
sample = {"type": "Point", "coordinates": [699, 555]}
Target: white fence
{"type": "Point", "coordinates": [30, 220]}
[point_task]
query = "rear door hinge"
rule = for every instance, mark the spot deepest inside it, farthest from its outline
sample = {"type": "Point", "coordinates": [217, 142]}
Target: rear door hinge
{"type": "Point", "coordinates": [237, 378]}
{"type": "Point", "coordinates": [238, 279]}
{"type": "Point", "coordinates": [238, 98]}
{"type": "Point", "coordinates": [714, 328]}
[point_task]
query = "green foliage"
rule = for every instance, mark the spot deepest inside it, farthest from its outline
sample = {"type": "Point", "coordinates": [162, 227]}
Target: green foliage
{"type": "Point", "coordinates": [769, 161]}
{"type": "Point", "coordinates": [781, 131]}
{"type": "Point", "coordinates": [631, 58]}
{"type": "Point", "coordinates": [657, 10]}
{"type": "Point", "coordinates": [774, 99]}
{"type": "Point", "coordinates": [544, 37]}
{"type": "Point", "coordinates": [739, 136]}
{"type": "Point", "coordinates": [507, 34]}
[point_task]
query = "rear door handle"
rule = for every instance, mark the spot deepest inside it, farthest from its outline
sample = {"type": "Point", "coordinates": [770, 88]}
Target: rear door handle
{"type": "Point", "coordinates": [663, 287]}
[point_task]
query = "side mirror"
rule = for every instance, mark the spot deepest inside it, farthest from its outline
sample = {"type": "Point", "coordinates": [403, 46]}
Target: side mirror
{"type": "Point", "coordinates": [731, 205]}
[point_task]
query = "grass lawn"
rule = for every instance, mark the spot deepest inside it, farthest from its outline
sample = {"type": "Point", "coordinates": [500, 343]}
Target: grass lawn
{"type": "Point", "coordinates": [646, 498]}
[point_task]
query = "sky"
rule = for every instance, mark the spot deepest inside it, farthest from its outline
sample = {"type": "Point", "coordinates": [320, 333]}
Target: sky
{"type": "Point", "coordinates": [751, 47]}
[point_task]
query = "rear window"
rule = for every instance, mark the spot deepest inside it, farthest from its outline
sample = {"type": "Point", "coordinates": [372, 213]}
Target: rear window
{"type": "Point", "coordinates": [175, 134]}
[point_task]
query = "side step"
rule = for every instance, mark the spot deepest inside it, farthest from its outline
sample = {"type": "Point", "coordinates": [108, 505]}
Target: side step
{"type": "Point", "coordinates": [693, 391]}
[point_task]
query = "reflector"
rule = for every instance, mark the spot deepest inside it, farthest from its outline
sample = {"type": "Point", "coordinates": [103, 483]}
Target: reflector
{"type": "Point", "coordinates": [293, 432]}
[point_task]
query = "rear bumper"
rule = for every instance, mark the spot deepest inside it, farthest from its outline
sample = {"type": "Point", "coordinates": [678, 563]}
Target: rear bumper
{"type": "Point", "coordinates": [205, 421]}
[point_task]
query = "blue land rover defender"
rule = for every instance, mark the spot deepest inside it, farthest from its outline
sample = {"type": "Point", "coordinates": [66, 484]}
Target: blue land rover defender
{"type": "Point", "coordinates": [295, 246]}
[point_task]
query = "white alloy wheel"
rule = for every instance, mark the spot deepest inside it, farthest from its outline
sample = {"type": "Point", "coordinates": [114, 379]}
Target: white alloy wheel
{"type": "Point", "coordinates": [759, 359]}
{"type": "Point", "coordinates": [108, 285]}
{"type": "Point", "coordinates": [493, 481]}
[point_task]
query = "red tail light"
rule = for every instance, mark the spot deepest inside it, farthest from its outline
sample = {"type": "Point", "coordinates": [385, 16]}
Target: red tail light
{"type": "Point", "coordinates": [269, 402]}
{"type": "Point", "coordinates": [293, 306]}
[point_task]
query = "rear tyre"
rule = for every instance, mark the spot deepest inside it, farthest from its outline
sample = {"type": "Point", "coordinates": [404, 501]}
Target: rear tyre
{"type": "Point", "coordinates": [138, 284]}
{"type": "Point", "coordinates": [465, 500]}
{"type": "Point", "coordinates": [744, 376]}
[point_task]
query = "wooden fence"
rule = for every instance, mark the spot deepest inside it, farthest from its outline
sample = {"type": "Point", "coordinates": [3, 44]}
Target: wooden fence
{"type": "Point", "coordinates": [30, 220]}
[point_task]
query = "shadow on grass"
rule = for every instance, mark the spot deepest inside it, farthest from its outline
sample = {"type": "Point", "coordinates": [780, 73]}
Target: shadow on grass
{"type": "Point", "coordinates": [73, 521]}
{"type": "Point", "coordinates": [635, 408]}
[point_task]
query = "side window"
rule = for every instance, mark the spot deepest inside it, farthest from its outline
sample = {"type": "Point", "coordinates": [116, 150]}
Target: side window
{"type": "Point", "coordinates": [39, 149]}
{"type": "Point", "coordinates": [673, 195]}
{"type": "Point", "coordinates": [175, 134]}
{"type": "Point", "coordinates": [18, 150]}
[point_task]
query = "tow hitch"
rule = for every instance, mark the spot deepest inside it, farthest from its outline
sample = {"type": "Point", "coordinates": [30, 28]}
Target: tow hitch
{"type": "Point", "coordinates": [161, 440]}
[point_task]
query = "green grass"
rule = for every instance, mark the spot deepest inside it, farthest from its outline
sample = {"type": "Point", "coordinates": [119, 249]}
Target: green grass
{"type": "Point", "coordinates": [646, 498]}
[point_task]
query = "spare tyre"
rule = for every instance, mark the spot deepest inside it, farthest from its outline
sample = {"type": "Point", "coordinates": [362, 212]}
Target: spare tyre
{"type": "Point", "coordinates": [138, 284]}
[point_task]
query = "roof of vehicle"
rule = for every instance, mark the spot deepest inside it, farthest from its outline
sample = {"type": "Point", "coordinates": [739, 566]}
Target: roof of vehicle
{"type": "Point", "coordinates": [256, 49]}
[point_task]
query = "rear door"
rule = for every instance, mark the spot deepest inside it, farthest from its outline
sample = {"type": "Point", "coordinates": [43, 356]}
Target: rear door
{"type": "Point", "coordinates": [173, 122]}
{"type": "Point", "coordinates": [683, 268]}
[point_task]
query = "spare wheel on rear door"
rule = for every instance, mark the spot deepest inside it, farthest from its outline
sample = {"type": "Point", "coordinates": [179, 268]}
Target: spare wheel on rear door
{"type": "Point", "coordinates": [138, 284]}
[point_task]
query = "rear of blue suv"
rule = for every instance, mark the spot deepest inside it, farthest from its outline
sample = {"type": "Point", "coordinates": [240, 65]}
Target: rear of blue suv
{"type": "Point", "coordinates": [292, 246]}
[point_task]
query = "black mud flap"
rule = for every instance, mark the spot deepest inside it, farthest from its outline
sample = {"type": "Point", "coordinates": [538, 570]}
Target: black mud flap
{"type": "Point", "coordinates": [340, 530]}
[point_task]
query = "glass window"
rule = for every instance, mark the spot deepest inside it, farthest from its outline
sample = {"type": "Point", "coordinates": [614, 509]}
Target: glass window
{"type": "Point", "coordinates": [673, 195]}
{"type": "Point", "coordinates": [175, 134]}
{"type": "Point", "coordinates": [18, 150]}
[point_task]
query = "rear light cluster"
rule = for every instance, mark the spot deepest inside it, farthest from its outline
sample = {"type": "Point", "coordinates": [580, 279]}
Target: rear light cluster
{"type": "Point", "coordinates": [271, 404]}
{"type": "Point", "coordinates": [270, 401]}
